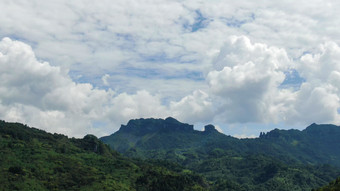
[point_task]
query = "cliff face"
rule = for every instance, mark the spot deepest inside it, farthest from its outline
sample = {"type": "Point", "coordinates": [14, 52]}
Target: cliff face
{"type": "Point", "coordinates": [142, 126]}
{"type": "Point", "coordinates": [166, 133]}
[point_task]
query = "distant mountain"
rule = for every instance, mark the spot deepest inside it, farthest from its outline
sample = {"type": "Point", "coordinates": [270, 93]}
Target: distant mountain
{"type": "Point", "coordinates": [32, 159]}
{"type": "Point", "coordinates": [149, 134]}
{"type": "Point", "coordinates": [317, 144]}
{"type": "Point", "coordinates": [277, 160]}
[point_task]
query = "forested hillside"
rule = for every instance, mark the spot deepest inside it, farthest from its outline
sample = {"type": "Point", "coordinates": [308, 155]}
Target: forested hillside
{"type": "Point", "coordinates": [332, 186]}
{"type": "Point", "coordinates": [167, 155]}
{"type": "Point", "coordinates": [278, 160]}
{"type": "Point", "coordinates": [32, 159]}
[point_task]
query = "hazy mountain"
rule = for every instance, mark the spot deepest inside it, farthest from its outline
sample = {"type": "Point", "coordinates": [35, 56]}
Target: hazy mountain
{"type": "Point", "coordinates": [277, 160]}
{"type": "Point", "coordinates": [149, 134]}
{"type": "Point", "coordinates": [317, 144]}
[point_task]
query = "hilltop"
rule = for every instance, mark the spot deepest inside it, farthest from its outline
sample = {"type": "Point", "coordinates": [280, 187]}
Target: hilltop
{"type": "Point", "coordinates": [32, 159]}
{"type": "Point", "coordinates": [277, 160]}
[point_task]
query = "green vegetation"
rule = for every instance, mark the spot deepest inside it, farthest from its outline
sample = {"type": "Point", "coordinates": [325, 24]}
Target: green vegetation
{"type": "Point", "coordinates": [317, 144]}
{"type": "Point", "coordinates": [278, 160]}
{"type": "Point", "coordinates": [169, 155]}
{"type": "Point", "coordinates": [333, 186]}
{"type": "Point", "coordinates": [32, 159]}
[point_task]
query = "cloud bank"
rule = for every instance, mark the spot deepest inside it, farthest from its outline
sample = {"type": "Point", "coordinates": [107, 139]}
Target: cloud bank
{"type": "Point", "coordinates": [249, 77]}
{"type": "Point", "coordinates": [245, 86]}
{"type": "Point", "coordinates": [45, 96]}
{"type": "Point", "coordinates": [42, 95]}
{"type": "Point", "coordinates": [97, 65]}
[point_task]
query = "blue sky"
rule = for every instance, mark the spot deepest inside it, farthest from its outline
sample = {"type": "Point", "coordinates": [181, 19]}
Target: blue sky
{"type": "Point", "coordinates": [86, 67]}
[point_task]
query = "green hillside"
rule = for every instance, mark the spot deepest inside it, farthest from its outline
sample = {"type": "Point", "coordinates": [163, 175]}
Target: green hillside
{"type": "Point", "coordinates": [278, 160]}
{"type": "Point", "coordinates": [32, 159]}
{"type": "Point", "coordinates": [317, 144]}
{"type": "Point", "coordinates": [332, 186]}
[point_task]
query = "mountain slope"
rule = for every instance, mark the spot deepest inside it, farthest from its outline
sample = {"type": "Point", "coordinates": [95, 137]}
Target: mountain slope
{"type": "Point", "coordinates": [278, 160]}
{"type": "Point", "coordinates": [317, 144]}
{"type": "Point", "coordinates": [32, 159]}
{"type": "Point", "coordinates": [332, 186]}
{"type": "Point", "coordinates": [154, 134]}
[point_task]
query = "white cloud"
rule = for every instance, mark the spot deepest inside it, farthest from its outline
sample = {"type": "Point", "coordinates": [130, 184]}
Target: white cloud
{"type": "Point", "coordinates": [248, 84]}
{"type": "Point", "coordinates": [317, 104]}
{"type": "Point", "coordinates": [193, 108]}
{"type": "Point", "coordinates": [42, 95]}
{"type": "Point", "coordinates": [161, 51]}
{"type": "Point", "coordinates": [322, 64]}
{"type": "Point", "coordinates": [318, 98]}
{"type": "Point", "coordinates": [241, 90]}
{"type": "Point", "coordinates": [248, 78]}
{"type": "Point", "coordinates": [142, 104]}
{"type": "Point", "coordinates": [105, 79]}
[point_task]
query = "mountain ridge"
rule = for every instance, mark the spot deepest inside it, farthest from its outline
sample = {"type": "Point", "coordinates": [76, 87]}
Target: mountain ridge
{"type": "Point", "coordinates": [241, 164]}
{"type": "Point", "coordinates": [141, 131]}
{"type": "Point", "coordinates": [37, 160]}
{"type": "Point", "coordinates": [159, 133]}
{"type": "Point", "coordinates": [32, 159]}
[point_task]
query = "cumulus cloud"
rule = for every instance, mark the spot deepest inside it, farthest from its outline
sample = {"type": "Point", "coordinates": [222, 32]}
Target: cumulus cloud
{"type": "Point", "coordinates": [42, 95]}
{"type": "Point", "coordinates": [148, 47]}
{"type": "Point", "coordinates": [314, 103]}
{"type": "Point", "coordinates": [318, 98]}
{"type": "Point", "coordinates": [322, 65]}
{"type": "Point", "coordinates": [93, 37]}
{"type": "Point", "coordinates": [193, 108]}
{"type": "Point", "coordinates": [244, 87]}
{"type": "Point", "coordinates": [247, 80]}
{"type": "Point", "coordinates": [141, 104]}
{"type": "Point", "coordinates": [248, 77]}
{"type": "Point", "coordinates": [142, 35]}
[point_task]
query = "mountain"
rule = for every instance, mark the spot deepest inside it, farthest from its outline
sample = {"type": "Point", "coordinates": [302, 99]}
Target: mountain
{"type": "Point", "coordinates": [150, 134]}
{"type": "Point", "coordinates": [33, 159]}
{"type": "Point", "coordinates": [168, 155]}
{"type": "Point", "coordinates": [332, 186]}
{"type": "Point", "coordinates": [277, 160]}
{"type": "Point", "coordinates": [317, 144]}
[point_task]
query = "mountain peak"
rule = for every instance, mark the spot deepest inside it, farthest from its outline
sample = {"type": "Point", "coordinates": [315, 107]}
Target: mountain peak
{"type": "Point", "coordinates": [143, 126]}
{"type": "Point", "coordinates": [210, 128]}
{"type": "Point", "coordinates": [319, 129]}
{"type": "Point", "coordinates": [171, 120]}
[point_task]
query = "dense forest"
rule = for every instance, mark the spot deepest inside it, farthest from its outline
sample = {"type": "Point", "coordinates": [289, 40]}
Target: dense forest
{"type": "Point", "coordinates": [277, 160]}
{"type": "Point", "coordinates": [333, 186]}
{"type": "Point", "coordinates": [33, 159]}
{"type": "Point", "coordinates": [169, 155]}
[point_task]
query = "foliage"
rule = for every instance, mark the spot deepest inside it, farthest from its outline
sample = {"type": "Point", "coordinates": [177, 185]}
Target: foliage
{"type": "Point", "coordinates": [317, 144]}
{"type": "Point", "coordinates": [278, 160]}
{"type": "Point", "coordinates": [32, 159]}
{"type": "Point", "coordinates": [332, 186]}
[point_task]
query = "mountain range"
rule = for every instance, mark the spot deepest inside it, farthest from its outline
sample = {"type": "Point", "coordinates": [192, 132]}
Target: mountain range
{"type": "Point", "coordinates": [277, 160]}
{"type": "Point", "coordinates": [165, 154]}
{"type": "Point", "coordinates": [32, 159]}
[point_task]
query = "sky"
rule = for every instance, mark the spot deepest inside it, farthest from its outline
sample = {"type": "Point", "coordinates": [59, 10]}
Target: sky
{"type": "Point", "coordinates": [80, 67]}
